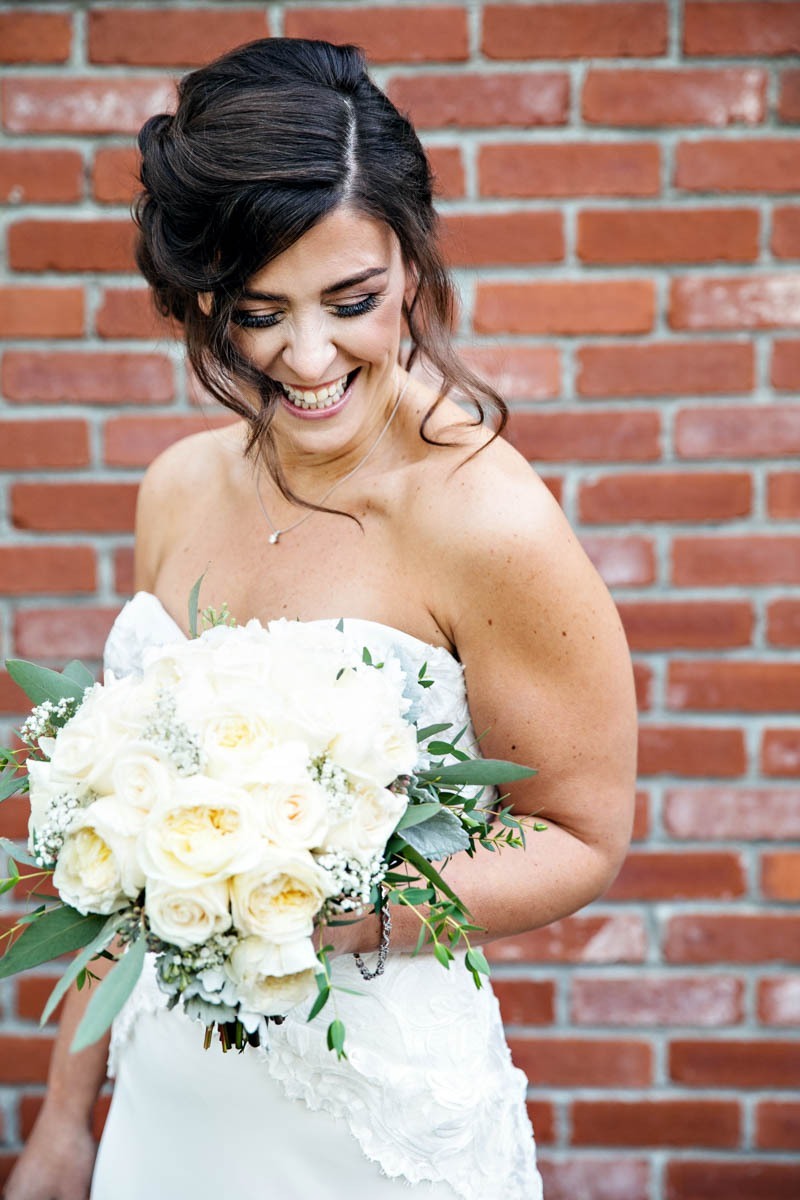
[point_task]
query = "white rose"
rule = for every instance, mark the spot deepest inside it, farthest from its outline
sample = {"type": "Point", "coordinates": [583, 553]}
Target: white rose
{"type": "Point", "coordinates": [139, 776]}
{"type": "Point", "coordinates": [372, 739]}
{"type": "Point", "coordinates": [108, 720]}
{"type": "Point", "coordinates": [119, 825]}
{"type": "Point", "coordinates": [87, 873]}
{"type": "Point", "coordinates": [44, 789]}
{"type": "Point", "coordinates": [280, 897]}
{"type": "Point", "coordinates": [366, 829]}
{"type": "Point", "coordinates": [237, 738]}
{"type": "Point", "coordinates": [272, 979]}
{"type": "Point", "coordinates": [294, 814]}
{"type": "Point", "coordinates": [203, 832]}
{"type": "Point", "coordinates": [187, 916]}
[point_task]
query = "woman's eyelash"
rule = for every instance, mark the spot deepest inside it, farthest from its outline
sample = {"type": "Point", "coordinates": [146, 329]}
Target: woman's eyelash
{"type": "Point", "coordinates": [248, 320]}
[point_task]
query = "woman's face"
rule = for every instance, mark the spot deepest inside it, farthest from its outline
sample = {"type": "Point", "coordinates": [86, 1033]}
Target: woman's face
{"type": "Point", "coordinates": [323, 320]}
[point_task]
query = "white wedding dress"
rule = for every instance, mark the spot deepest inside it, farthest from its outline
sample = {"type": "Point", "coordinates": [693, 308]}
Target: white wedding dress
{"type": "Point", "coordinates": [427, 1096]}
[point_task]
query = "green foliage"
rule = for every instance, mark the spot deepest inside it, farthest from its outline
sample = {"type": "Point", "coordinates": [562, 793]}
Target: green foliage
{"type": "Point", "coordinates": [77, 968]}
{"type": "Point", "coordinates": [110, 996]}
{"type": "Point", "coordinates": [49, 933]}
{"type": "Point", "coordinates": [194, 600]}
{"type": "Point", "coordinates": [40, 683]}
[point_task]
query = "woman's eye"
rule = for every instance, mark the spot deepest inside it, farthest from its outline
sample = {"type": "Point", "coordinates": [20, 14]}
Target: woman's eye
{"type": "Point", "coordinates": [366, 304]}
{"type": "Point", "coordinates": [250, 320]}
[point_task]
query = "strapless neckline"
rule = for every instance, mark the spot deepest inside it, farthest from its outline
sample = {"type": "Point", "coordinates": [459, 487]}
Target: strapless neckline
{"type": "Point", "coordinates": [349, 621]}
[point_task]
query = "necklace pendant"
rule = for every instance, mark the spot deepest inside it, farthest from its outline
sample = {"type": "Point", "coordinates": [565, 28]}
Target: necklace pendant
{"type": "Point", "coordinates": [274, 537]}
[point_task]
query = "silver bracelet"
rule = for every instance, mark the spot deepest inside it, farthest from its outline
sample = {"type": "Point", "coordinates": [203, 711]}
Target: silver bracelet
{"type": "Point", "coordinates": [383, 947]}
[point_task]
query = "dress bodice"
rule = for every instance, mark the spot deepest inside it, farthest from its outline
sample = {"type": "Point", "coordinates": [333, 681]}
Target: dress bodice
{"type": "Point", "coordinates": [428, 1088]}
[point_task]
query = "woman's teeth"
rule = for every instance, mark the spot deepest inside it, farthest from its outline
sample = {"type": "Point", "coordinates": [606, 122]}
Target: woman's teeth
{"type": "Point", "coordinates": [324, 398]}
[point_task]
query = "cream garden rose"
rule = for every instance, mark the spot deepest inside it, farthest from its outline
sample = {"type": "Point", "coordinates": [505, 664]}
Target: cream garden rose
{"type": "Point", "coordinates": [187, 916]}
{"type": "Point", "coordinates": [87, 873]}
{"type": "Point", "coordinates": [272, 978]}
{"type": "Point", "coordinates": [373, 815]}
{"type": "Point", "coordinates": [280, 897]}
{"type": "Point", "coordinates": [294, 814]}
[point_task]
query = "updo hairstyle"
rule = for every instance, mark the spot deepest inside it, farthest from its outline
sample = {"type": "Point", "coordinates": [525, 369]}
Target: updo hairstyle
{"type": "Point", "coordinates": [265, 142]}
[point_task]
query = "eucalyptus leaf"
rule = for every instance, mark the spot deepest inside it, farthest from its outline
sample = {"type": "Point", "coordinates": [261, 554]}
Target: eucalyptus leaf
{"type": "Point", "coordinates": [59, 930]}
{"type": "Point", "coordinates": [336, 1038]}
{"type": "Point", "coordinates": [429, 730]}
{"type": "Point", "coordinates": [10, 787]}
{"type": "Point", "coordinates": [81, 674]}
{"type": "Point", "coordinates": [415, 813]}
{"type": "Point", "coordinates": [20, 856]}
{"type": "Point", "coordinates": [194, 601]}
{"type": "Point", "coordinates": [416, 895]}
{"type": "Point", "coordinates": [79, 963]}
{"type": "Point", "coordinates": [476, 960]}
{"type": "Point", "coordinates": [479, 771]}
{"type": "Point", "coordinates": [438, 837]}
{"type": "Point", "coordinates": [110, 996]}
{"type": "Point", "coordinates": [413, 856]}
{"type": "Point", "coordinates": [320, 1002]}
{"type": "Point", "coordinates": [40, 683]}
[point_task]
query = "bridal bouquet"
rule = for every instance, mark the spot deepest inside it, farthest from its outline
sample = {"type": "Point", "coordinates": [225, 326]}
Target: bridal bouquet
{"type": "Point", "coordinates": [252, 786]}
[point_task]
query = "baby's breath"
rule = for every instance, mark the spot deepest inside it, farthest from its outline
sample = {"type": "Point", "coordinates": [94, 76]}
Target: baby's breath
{"type": "Point", "coordinates": [352, 880]}
{"type": "Point", "coordinates": [335, 782]}
{"type": "Point", "coordinates": [163, 729]}
{"type": "Point", "coordinates": [48, 838]}
{"type": "Point", "coordinates": [47, 718]}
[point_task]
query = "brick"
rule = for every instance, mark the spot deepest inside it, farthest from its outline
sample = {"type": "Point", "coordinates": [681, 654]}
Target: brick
{"type": "Point", "coordinates": [671, 369]}
{"type": "Point", "coordinates": [684, 750]}
{"type": "Point", "coordinates": [492, 239]}
{"type": "Point", "coordinates": [762, 27]}
{"type": "Point", "coordinates": [779, 1000]}
{"type": "Point", "coordinates": [42, 176]}
{"type": "Point", "coordinates": [80, 245]}
{"type": "Point", "coordinates": [24, 1059]}
{"type": "Point", "coordinates": [426, 33]}
{"type": "Point", "coordinates": [580, 1062]}
{"type": "Point", "coordinates": [123, 571]}
{"type": "Point", "coordinates": [622, 561]}
{"type": "Point", "coordinates": [135, 441]}
{"type": "Point", "coordinates": [754, 302]}
{"type": "Point", "coordinates": [620, 937]}
{"type": "Point", "coordinates": [721, 97]}
{"type": "Point", "coordinates": [599, 1179]}
{"type": "Point", "coordinates": [517, 372]}
{"type": "Point", "coordinates": [90, 105]}
{"type": "Point", "coordinates": [642, 823]}
{"type": "Point", "coordinates": [693, 624]}
{"type": "Point", "coordinates": [64, 633]}
{"type": "Point", "coordinates": [732, 937]}
{"type": "Point", "coordinates": [783, 494]}
{"type": "Point", "coordinates": [565, 307]}
{"type": "Point", "coordinates": [479, 101]}
{"type": "Point", "coordinates": [740, 165]}
{"type": "Point", "coordinates": [778, 1125]}
{"type": "Point", "coordinates": [153, 37]}
{"type": "Point", "coordinates": [783, 623]}
{"type": "Point", "coordinates": [666, 496]}
{"type": "Point", "coordinates": [716, 1180]}
{"type": "Point", "coordinates": [16, 810]}
{"type": "Point", "coordinates": [35, 37]}
{"type": "Point", "coordinates": [721, 561]}
{"type": "Point", "coordinates": [734, 1063]}
{"type": "Point", "coordinates": [789, 101]}
{"type": "Point", "coordinates": [448, 171]}
{"type": "Point", "coordinates": [26, 445]}
{"type": "Point", "coordinates": [586, 436]}
{"type": "Point", "coordinates": [115, 174]}
{"type": "Point", "coordinates": [130, 313]}
{"type": "Point", "coordinates": [671, 875]}
{"type": "Point", "coordinates": [716, 685]}
{"type": "Point", "coordinates": [12, 700]}
{"type": "Point", "coordinates": [570, 169]}
{"type": "Point", "coordinates": [780, 752]}
{"type": "Point", "coordinates": [771, 430]}
{"type": "Point", "coordinates": [785, 367]}
{"type": "Point", "coordinates": [542, 1117]}
{"type": "Point", "coordinates": [785, 241]}
{"type": "Point", "coordinates": [653, 1001]}
{"type": "Point", "coordinates": [668, 236]}
{"type": "Point", "coordinates": [86, 377]}
{"type": "Point", "coordinates": [33, 992]}
{"type": "Point", "coordinates": [54, 569]}
{"type": "Point", "coordinates": [525, 1001]}
{"type": "Point", "coordinates": [694, 1123]}
{"type": "Point", "coordinates": [41, 312]}
{"type": "Point", "coordinates": [96, 507]}
{"type": "Point", "coordinates": [596, 30]}
{"type": "Point", "coordinates": [643, 685]}
{"type": "Point", "coordinates": [780, 874]}
{"type": "Point", "coordinates": [749, 814]}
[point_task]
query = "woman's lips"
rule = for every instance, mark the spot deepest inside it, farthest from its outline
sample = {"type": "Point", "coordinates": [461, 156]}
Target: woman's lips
{"type": "Point", "coordinates": [318, 414]}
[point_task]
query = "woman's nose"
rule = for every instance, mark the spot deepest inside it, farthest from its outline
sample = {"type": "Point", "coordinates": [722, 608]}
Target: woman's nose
{"type": "Point", "coordinates": [308, 353]}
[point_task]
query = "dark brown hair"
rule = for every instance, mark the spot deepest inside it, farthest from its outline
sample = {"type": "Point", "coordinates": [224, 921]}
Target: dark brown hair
{"type": "Point", "coordinates": [264, 143]}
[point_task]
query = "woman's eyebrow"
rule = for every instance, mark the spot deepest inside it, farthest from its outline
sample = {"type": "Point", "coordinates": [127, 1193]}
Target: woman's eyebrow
{"type": "Point", "coordinates": [352, 281]}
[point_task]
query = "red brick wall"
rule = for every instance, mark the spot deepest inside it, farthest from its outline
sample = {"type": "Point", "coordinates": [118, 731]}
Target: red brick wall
{"type": "Point", "coordinates": [621, 184]}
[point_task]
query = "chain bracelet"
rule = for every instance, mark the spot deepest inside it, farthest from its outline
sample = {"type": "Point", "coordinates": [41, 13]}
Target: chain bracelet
{"type": "Point", "coordinates": [383, 947]}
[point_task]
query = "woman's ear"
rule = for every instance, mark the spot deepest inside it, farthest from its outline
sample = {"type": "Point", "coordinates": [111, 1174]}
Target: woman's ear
{"type": "Point", "coordinates": [412, 285]}
{"type": "Point", "coordinates": [205, 302]}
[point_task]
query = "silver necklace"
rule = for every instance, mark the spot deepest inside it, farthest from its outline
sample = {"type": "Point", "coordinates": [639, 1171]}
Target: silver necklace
{"type": "Point", "coordinates": [276, 534]}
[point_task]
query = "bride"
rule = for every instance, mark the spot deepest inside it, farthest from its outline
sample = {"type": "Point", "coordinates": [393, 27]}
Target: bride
{"type": "Point", "coordinates": [286, 222]}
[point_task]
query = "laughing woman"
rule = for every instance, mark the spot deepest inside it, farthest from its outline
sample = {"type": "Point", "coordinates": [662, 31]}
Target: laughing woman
{"type": "Point", "coordinates": [286, 222]}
